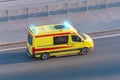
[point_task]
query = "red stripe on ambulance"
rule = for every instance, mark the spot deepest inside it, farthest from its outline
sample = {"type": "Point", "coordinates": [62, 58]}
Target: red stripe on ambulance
{"type": "Point", "coordinates": [52, 48]}
{"type": "Point", "coordinates": [52, 34]}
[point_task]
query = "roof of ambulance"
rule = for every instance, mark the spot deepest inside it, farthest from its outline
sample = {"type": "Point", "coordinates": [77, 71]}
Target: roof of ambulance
{"type": "Point", "coordinates": [53, 28]}
{"type": "Point", "coordinates": [46, 28]}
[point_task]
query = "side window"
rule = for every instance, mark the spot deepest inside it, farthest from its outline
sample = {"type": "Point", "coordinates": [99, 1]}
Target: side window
{"type": "Point", "coordinates": [76, 38]}
{"type": "Point", "coordinates": [60, 40]}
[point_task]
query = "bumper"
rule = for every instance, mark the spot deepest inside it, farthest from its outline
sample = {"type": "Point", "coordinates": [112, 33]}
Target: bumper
{"type": "Point", "coordinates": [28, 53]}
{"type": "Point", "coordinates": [91, 49]}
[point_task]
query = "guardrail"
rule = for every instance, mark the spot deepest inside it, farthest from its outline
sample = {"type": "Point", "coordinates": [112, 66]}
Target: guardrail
{"type": "Point", "coordinates": [57, 8]}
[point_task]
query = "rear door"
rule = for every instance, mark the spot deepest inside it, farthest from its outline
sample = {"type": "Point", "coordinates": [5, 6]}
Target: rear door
{"type": "Point", "coordinates": [29, 43]}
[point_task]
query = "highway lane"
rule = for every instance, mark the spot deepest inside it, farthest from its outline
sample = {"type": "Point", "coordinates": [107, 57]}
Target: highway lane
{"type": "Point", "coordinates": [102, 64]}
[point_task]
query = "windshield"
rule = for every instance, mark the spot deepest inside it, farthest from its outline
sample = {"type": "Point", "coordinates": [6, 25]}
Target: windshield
{"type": "Point", "coordinates": [82, 35]}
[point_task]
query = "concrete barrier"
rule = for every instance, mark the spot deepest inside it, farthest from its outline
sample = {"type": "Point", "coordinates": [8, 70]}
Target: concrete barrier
{"type": "Point", "coordinates": [57, 8]}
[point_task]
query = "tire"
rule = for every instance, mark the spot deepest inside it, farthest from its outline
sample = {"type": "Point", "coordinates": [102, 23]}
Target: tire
{"type": "Point", "coordinates": [84, 51]}
{"type": "Point", "coordinates": [45, 56]}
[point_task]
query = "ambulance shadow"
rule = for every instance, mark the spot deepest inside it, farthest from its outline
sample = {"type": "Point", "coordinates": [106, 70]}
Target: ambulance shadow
{"type": "Point", "coordinates": [15, 57]}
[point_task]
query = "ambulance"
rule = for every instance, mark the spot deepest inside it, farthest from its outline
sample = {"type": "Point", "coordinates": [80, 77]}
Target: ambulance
{"type": "Point", "coordinates": [57, 40]}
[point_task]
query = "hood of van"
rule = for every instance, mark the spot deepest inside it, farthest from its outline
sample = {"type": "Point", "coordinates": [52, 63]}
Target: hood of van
{"type": "Point", "coordinates": [88, 37]}
{"type": "Point", "coordinates": [89, 40]}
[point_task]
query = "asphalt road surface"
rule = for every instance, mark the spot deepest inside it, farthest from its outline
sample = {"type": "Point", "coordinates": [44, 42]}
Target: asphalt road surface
{"type": "Point", "coordinates": [102, 64]}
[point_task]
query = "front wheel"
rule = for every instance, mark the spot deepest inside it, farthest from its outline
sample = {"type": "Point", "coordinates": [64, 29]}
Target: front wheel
{"type": "Point", "coordinates": [45, 56]}
{"type": "Point", "coordinates": [84, 51]}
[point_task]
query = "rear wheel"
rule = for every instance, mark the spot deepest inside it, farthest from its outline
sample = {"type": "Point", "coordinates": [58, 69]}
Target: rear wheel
{"type": "Point", "coordinates": [84, 51]}
{"type": "Point", "coordinates": [45, 56]}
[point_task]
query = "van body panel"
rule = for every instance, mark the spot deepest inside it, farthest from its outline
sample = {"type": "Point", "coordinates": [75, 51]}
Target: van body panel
{"type": "Point", "coordinates": [57, 40]}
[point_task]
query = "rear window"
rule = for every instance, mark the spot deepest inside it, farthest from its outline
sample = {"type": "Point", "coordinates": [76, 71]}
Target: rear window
{"type": "Point", "coordinates": [29, 39]}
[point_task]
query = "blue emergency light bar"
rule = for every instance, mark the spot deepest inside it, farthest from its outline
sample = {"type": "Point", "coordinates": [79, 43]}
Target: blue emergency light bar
{"type": "Point", "coordinates": [67, 25]}
{"type": "Point", "coordinates": [33, 29]}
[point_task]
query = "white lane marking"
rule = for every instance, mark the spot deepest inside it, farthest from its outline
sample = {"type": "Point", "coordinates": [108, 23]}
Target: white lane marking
{"type": "Point", "coordinates": [99, 37]}
{"type": "Point", "coordinates": [106, 36]}
{"type": "Point", "coordinates": [9, 49]}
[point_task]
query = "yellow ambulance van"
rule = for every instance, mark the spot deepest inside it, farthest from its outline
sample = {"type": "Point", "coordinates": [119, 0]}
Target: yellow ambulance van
{"type": "Point", "coordinates": [57, 40]}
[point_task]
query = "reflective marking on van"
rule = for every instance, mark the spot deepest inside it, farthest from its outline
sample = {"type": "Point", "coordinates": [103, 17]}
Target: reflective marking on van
{"type": "Point", "coordinates": [59, 51]}
{"type": "Point", "coordinates": [57, 34]}
{"type": "Point", "coordinates": [52, 48]}
{"type": "Point", "coordinates": [65, 50]}
{"type": "Point", "coordinates": [45, 45]}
